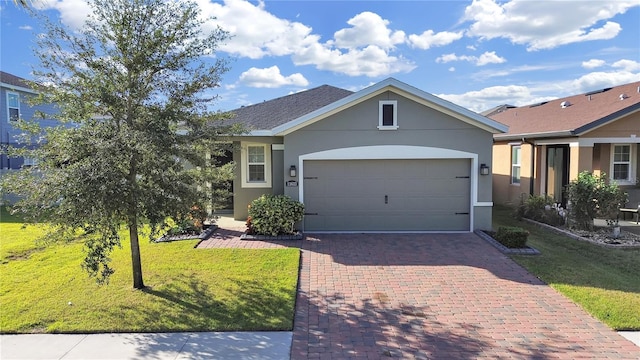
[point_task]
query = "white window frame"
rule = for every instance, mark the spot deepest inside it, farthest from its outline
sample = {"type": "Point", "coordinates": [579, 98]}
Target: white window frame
{"type": "Point", "coordinates": [381, 105]}
{"type": "Point", "coordinates": [29, 161]}
{"type": "Point", "coordinates": [517, 164]}
{"type": "Point", "coordinates": [9, 94]}
{"type": "Point", "coordinates": [631, 180]}
{"type": "Point", "coordinates": [244, 169]}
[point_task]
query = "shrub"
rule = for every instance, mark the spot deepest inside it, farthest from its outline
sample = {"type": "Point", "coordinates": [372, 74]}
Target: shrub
{"type": "Point", "coordinates": [512, 237]}
{"type": "Point", "coordinates": [274, 215]}
{"type": "Point", "coordinates": [591, 196]}
{"type": "Point", "coordinates": [542, 209]}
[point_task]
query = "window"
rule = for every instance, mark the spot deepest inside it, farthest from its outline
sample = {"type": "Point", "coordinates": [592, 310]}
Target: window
{"type": "Point", "coordinates": [515, 164]}
{"type": "Point", "coordinates": [388, 115]}
{"type": "Point", "coordinates": [29, 161]}
{"type": "Point", "coordinates": [13, 106]}
{"type": "Point", "coordinates": [622, 160]}
{"type": "Point", "coordinates": [256, 165]}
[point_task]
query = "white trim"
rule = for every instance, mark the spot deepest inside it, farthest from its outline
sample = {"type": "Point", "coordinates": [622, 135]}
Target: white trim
{"type": "Point", "coordinates": [8, 93]}
{"type": "Point", "coordinates": [484, 204]}
{"type": "Point", "coordinates": [277, 147]}
{"type": "Point", "coordinates": [405, 152]}
{"type": "Point", "coordinates": [519, 164]}
{"type": "Point", "coordinates": [17, 88]}
{"type": "Point", "coordinates": [381, 105]}
{"type": "Point", "coordinates": [632, 164]}
{"type": "Point", "coordinates": [402, 89]}
{"type": "Point", "coordinates": [244, 166]}
{"type": "Point", "coordinates": [612, 140]}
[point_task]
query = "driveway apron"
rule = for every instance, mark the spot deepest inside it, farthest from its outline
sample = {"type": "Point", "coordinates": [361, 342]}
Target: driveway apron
{"type": "Point", "coordinates": [435, 296]}
{"type": "Point", "coordinates": [432, 296]}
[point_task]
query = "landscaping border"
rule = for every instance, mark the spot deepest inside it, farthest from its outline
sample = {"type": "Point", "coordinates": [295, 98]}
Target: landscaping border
{"type": "Point", "coordinates": [296, 236]}
{"type": "Point", "coordinates": [204, 235]}
{"type": "Point", "coordinates": [578, 237]}
{"type": "Point", "coordinates": [505, 250]}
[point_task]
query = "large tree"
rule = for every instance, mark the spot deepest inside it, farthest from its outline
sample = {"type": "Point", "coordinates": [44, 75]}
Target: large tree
{"type": "Point", "coordinates": [134, 89]}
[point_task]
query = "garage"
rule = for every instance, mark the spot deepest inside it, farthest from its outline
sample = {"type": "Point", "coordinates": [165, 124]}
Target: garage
{"type": "Point", "coordinates": [387, 195]}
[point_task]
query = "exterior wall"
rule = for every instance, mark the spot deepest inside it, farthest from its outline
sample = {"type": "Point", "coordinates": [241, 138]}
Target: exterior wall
{"type": "Point", "coordinates": [418, 125]}
{"type": "Point", "coordinates": [9, 134]}
{"type": "Point", "coordinates": [580, 159]}
{"type": "Point", "coordinates": [242, 196]}
{"type": "Point", "coordinates": [621, 128]}
{"type": "Point", "coordinates": [504, 192]}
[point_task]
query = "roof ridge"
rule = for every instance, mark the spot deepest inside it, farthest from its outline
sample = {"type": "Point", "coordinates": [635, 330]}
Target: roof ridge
{"type": "Point", "coordinates": [290, 95]}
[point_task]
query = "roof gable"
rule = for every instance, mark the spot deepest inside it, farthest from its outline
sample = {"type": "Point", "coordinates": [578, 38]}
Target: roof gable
{"type": "Point", "coordinates": [572, 115]}
{"type": "Point", "coordinates": [401, 88]}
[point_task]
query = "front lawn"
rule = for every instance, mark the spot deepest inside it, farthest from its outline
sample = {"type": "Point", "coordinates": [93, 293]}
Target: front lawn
{"type": "Point", "coordinates": [43, 289]}
{"type": "Point", "coordinates": [604, 281]}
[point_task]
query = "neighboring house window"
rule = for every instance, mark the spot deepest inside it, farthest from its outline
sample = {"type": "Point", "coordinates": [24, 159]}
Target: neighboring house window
{"type": "Point", "coordinates": [621, 163]}
{"type": "Point", "coordinates": [515, 164]}
{"type": "Point", "coordinates": [13, 106]}
{"type": "Point", "coordinates": [256, 165]}
{"type": "Point", "coordinates": [29, 161]}
{"type": "Point", "coordinates": [388, 115]}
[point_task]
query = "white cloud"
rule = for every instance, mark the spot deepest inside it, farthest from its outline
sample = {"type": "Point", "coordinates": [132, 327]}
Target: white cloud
{"type": "Point", "coordinates": [547, 25]}
{"type": "Point", "coordinates": [484, 59]}
{"type": "Point", "coordinates": [593, 63]}
{"type": "Point", "coordinates": [270, 78]}
{"type": "Point", "coordinates": [519, 95]}
{"type": "Point", "coordinates": [627, 65]}
{"type": "Point", "coordinates": [25, 27]}
{"type": "Point", "coordinates": [371, 61]}
{"type": "Point", "coordinates": [599, 80]}
{"type": "Point", "coordinates": [429, 39]}
{"type": "Point", "coordinates": [452, 69]}
{"type": "Point", "coordinates": [487, 98]}
{"type": "Point", "coordinates": [363, 49]}
{"type": "Point", "coordinates": [367, 29]}
{"type": "Point", "coordinates": [255, 32]}
{"type": "Point", "coordinates": [73, 13]}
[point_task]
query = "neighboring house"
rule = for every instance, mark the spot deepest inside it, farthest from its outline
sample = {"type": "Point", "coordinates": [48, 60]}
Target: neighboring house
{"type": "Point", "coordinates": [550, 143]}
{"type": "Point", "coordinates": [390, 157]}
{"type": "Point", "coordinates": [14, 95]}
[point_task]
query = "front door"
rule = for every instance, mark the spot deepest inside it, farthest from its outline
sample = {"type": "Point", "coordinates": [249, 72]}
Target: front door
{"type": "Point", "coordinates": [557, 172]}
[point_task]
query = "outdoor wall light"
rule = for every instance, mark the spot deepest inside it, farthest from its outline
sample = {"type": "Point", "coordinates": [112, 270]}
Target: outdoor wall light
{"type": "Point", "coordinates": [292, 171]}
{"type": "Point", "coordinates": [484, 169]}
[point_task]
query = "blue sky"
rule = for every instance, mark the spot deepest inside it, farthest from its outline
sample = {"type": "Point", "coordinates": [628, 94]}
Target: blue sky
{"type": "Point", "coordinates": [478, 54]}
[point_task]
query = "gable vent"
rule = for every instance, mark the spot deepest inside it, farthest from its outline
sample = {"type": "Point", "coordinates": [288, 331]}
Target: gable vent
{"type": "Point", "coordinates": [565, 104]}
{"type": "Point", "coordinates": [623, 96]}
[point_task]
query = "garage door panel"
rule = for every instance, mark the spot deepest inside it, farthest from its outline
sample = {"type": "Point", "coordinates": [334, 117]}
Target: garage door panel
{"type": "Point", "coordinates": [387, 195]}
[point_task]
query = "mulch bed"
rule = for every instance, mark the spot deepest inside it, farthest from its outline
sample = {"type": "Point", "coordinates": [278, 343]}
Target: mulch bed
{"type": "Point", "coordinates": [204, 235]}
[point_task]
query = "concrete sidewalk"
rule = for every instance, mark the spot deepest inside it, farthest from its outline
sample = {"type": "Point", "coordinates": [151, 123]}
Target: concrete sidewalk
{"type": "Point", "coordinates": [157, 346]}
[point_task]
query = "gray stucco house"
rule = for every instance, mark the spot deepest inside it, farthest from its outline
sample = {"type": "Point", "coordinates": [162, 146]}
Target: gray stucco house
{"type": "Point", "coordinates": [389, 157]}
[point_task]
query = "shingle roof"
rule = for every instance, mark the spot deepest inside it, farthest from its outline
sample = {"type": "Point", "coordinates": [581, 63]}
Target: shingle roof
{"type": "Point", "coordinates": [579, 113]}
{"type": "Point", "coordinates": [272, 113]}
{"type": "Point", "coordinates": [11, 79]}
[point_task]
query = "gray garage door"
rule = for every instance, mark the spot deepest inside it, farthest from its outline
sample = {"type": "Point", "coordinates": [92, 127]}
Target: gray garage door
{"type": "Point", "coordinates": [387, 195]}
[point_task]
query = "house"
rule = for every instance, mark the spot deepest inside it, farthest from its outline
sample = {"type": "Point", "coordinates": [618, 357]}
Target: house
{"type": "Point", "coordinates": [14, 94]}
{"type": "Point", "coordinates": [389, 157]}
{"type": "Point", "coordinates": [548, 144]}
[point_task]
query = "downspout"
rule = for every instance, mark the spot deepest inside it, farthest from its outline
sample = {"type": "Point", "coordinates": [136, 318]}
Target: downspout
{"type": "Point", "coordinates": [533, 164]}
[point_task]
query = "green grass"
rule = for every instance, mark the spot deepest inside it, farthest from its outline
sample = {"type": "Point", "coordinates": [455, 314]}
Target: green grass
{"type": "Point", "coordinates": [188, 289]}
{"type": "Point", "coordinates": [604, 281]}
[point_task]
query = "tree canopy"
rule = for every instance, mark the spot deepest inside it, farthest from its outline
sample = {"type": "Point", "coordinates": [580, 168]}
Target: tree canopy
{"type": "Point", "coordinates": [134, 88]}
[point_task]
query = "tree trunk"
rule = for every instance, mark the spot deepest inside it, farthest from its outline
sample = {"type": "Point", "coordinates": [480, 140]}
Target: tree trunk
{"type": "Point", "coordinates": [135, 253]}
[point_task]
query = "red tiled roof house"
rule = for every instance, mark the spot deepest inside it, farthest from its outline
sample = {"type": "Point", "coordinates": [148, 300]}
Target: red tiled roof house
{"type": "Point", "coordinates": [550, 143]}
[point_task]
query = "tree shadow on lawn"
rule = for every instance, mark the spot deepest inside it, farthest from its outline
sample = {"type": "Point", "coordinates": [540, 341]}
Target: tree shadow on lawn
{"type": "Point", "coordinates": [327, 325]}
{"type": "Point", "coordinates": [194, 307]}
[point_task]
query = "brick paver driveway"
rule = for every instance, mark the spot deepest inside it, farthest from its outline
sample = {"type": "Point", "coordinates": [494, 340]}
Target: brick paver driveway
{"type": "Point", "coordinates": [432, 296]}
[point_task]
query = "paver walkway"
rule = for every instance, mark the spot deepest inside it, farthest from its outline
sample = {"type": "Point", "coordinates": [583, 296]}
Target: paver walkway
{"type": "Point", "coordinates": [430, 296]}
